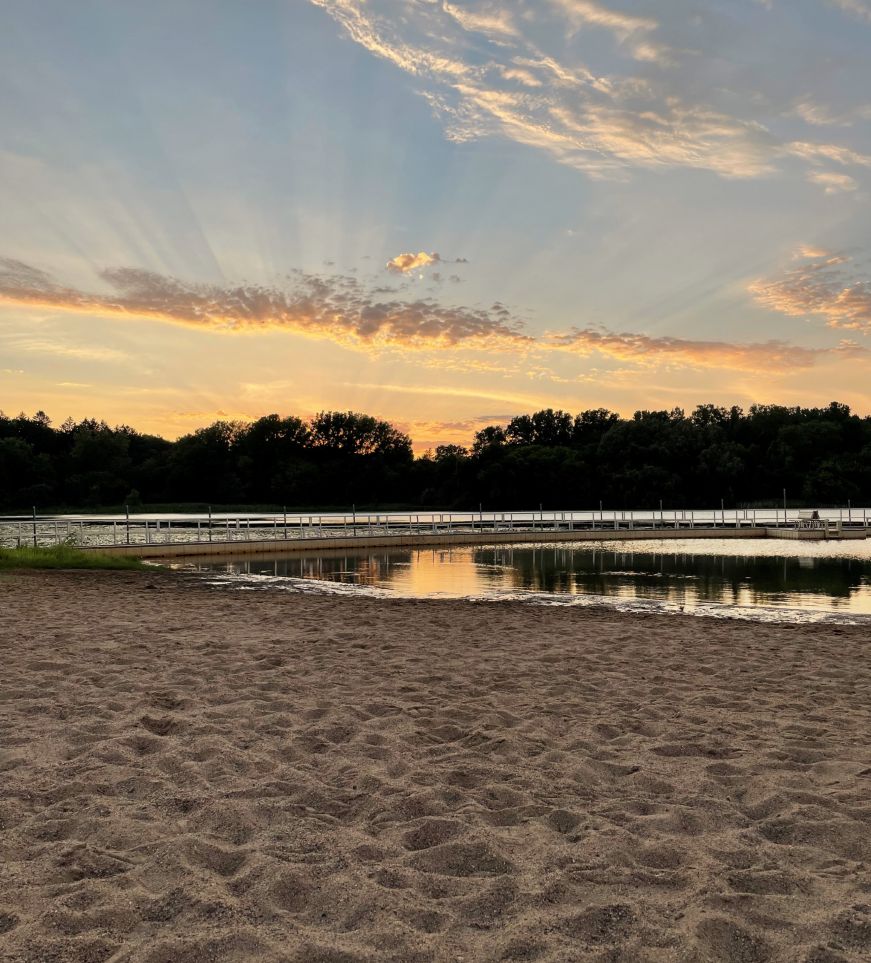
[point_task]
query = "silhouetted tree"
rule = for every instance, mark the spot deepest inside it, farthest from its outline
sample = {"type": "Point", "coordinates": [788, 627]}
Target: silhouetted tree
{"type": "Point", "coordinates": [820, 455]}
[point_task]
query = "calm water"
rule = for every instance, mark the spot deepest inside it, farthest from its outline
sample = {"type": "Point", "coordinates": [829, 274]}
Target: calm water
{"type": "Point", "coordinates": [757, 578]}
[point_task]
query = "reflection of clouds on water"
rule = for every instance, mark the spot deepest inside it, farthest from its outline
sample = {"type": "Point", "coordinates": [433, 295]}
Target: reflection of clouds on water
{"type": "Point", "coordinates": [715, 577]}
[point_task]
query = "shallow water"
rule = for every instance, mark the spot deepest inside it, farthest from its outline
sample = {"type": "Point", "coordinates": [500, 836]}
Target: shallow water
{"type": "Point", "coordinates": [756, 578]}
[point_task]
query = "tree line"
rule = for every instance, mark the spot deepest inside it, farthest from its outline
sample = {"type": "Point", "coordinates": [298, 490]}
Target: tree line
{"type": "Point", "coordinates": [821, 456]}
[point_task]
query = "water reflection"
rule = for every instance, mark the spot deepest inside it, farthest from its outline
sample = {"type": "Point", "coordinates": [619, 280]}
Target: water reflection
{"type": "Point", "coordinates": [832, 576]}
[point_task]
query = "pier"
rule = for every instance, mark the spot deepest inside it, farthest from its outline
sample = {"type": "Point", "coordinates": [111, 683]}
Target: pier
{"type": "Point", "coordinates": [157, 536]}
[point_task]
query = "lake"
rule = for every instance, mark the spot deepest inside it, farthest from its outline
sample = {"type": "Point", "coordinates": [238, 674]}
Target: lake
{"type": "Point", "coordinates": [758, 578]}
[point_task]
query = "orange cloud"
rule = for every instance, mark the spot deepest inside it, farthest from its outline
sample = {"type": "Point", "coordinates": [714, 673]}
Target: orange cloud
{"type": "Point", "coordinates": [403, 263]}
{"type": "Point", "coordinates": [768, 356]}
{"type": "Point", "coordinates": [336, 307]}
{"type": "Point", "coordinates": [344, 310]}
{"type": "Point", "coordinates": [825, 284]}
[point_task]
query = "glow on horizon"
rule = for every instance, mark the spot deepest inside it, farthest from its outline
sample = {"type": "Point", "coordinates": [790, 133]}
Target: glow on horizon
{"type": "Point", "coordinates": [444, 219]}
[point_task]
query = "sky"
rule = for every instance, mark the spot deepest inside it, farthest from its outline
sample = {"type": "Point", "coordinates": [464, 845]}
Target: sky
{"type": "Point", "coordinates": [440, 213]}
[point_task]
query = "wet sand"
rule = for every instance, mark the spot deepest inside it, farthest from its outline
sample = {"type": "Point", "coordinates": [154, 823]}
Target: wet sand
{"type": "Point", "coordinates": [192, 774]}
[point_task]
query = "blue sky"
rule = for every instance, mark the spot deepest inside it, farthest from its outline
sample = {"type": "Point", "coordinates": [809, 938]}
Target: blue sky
{"type": "Point", "coordinates": [623, 205]}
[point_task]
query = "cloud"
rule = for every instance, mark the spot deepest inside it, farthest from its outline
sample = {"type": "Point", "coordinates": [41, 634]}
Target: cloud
{"type": "Point", "coordinates": [76, 352]}
{"type": "Point", "coordinates": [767, 356]}
{"type": "Point", "coordinates": [808, 250]}
{"type": "Point", "coordinates": [403, 263]}
{"type": "Point", "coordinates": [819, 116]}
{"type": "Point", "coordinates": [858, 8]}
{"type": "Point", "coordinates": [598, 15]}
{"type": "Point", "coordinates": [446, 391]}
{"type": "Point", "coordinates": [833, 183]}
{"type": "Point", "coordinates": [523, 72]}
{"type": "Point", "coordinates": [336, 307]}
{"type": "Point", "coordinates": [343, 310]}
{"type": "Point", "coordinates": [488, 19]}
{"type": "Point", "coordinates": [831, 286]}
{"type": "Point", "coordinates": [820, 153]}
{"type": "Point", "coordinates": [624, 26]}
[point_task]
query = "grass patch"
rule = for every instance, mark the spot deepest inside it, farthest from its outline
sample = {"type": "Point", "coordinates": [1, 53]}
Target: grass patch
{"type": "Point", "coordinates": [63, 556]}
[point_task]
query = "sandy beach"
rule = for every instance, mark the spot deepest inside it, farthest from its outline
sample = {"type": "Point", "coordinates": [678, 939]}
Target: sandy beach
{"type": "Point", "coordinates": [197, 774]}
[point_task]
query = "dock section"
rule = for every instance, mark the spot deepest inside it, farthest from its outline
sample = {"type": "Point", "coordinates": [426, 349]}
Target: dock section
{"type": "Point", "coordinates": [173, 536]}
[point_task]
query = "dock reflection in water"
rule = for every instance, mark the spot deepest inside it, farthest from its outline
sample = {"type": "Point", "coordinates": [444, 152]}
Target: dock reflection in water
{"type": "Point", "coordinates": [827, 576]}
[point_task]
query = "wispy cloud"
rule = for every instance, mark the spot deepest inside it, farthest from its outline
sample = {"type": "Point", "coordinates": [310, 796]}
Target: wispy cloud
{"type": "Point", "coordinates": [491, 19]}
{"type": "Point", "coordinates": [822, 153]}
{"type": "Point", "coordinates": [829, 285]}
{"type": "Point", "coordinates": [818, 115]}
{"type": "Point", "coordinates": [327, 306]}
{"type": "Point", "coordinates": [522, 72]}
{"type": "Point", "coordinates": [628, 29]}
{"type": "Point", "coordinates": [445, 391]}
{"type": "Point", "coordinates": [647, 351]}
{"type": "Point", "coordinates": [599, 15]}
{"type": "Point", "coordinates": [833, 183]}
{"type": "Point", "coordinates": [27, 344]}
{"type": "Point", "coordinates": [858, 8]}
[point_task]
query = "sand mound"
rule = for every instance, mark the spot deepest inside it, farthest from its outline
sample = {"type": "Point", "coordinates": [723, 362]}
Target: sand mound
{"type": "Point", "coordinates": [191, 775]}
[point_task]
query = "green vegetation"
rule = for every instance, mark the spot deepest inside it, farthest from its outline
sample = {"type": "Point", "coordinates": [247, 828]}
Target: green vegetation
{"type": "Point", "coordinates": [821, 456]}
{"type": "Point", "coordinates": [63, 556]}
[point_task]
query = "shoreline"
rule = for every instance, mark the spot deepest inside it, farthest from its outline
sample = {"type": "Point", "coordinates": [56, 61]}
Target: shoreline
{"type": "Point", "coordinates": [720, 611]}
{"type": "Point", "coordinates": [191, 774]}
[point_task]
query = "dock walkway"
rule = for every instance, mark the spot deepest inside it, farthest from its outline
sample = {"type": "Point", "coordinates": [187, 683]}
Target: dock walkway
{"type": "Point", "coordinates": [185, 535]}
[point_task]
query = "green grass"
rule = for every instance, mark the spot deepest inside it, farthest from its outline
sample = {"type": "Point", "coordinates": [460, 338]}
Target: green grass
{"type": "Point", "coordinates": [63, 556]}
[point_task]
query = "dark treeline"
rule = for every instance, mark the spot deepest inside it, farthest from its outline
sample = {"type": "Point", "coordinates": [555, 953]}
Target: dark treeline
{"type": "Point", "coordinates": [819, 455]}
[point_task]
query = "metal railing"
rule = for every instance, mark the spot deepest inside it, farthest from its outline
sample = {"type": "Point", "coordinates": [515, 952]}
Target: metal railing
{"type": "Point", "coordinates": [155, 529]}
